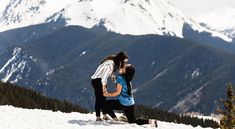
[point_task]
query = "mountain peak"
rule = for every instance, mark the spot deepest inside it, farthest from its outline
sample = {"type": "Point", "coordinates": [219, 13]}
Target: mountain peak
{"type": "Point", "coordinates": [135, 17]}
{"type": "Point", "coordinates": [221, 19]}
{"type": "Point", "coordinates": [18, 11]}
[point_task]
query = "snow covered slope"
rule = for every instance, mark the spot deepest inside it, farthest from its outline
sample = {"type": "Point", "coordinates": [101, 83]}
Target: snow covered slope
{"type": "Point", "coordinates": [222, 19]}
{"type": "Point", "coordinates": [21, 65]}
{"type": "Point", "coordinates": [135, 17]}
{"type": "Point", "coordinates": [18, 118]}
{"type": "Point", "coordinates": [20, 13]}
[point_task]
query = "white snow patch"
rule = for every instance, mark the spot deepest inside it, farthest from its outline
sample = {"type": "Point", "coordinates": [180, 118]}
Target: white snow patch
{"type": "Point", "coordinates": [134, 90]}
{"type": "Point", "coordinates": [157, 105]}
{"type": "Point", "coordinates": [83, 53]}
{"type": "Point", "coordinates": [16, 79]}
{"type": "Point", "coordinates": [50, 72]}
{"type": "Point", "coordinates": [153, 63]}
{"type": "Point", "coordinates": [195, 73]}
{"type": "Point", "coordinates": [160, 74]}
{"type": "Point", "coordinates": [18, 118]}
{"type": "Point", "coordinates": [12, 65]}
{"type": "Point", "coordinates": [173, 60]}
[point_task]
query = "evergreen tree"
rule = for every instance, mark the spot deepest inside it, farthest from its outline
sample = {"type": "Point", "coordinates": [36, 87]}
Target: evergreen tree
{"type": "Point", "coordinates": [228, 119]}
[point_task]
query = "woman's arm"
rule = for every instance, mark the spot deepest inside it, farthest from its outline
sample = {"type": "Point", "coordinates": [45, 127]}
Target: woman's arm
{"type": "Point", "coordinates": [116, 93]}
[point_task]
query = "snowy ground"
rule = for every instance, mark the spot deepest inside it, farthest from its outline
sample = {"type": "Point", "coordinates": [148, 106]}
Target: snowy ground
{"type": "Point", "coordinates": [18, 118]}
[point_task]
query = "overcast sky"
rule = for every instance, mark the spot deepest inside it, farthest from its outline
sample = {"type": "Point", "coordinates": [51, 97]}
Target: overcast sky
{"type": "Point", "coordinates": [194, 8]}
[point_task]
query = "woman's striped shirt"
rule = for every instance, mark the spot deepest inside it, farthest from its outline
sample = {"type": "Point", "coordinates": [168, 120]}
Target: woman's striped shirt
{"type": "Point", "coordinates": [104, 71]}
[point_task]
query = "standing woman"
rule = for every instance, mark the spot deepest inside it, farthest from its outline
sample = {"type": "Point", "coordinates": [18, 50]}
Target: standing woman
{"type": "Point", "coordinates": [99, 79]}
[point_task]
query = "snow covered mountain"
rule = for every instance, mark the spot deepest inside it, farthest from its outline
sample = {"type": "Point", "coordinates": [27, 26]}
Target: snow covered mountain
{"type": "Point", "coordinates": [20, 13]}
{"type": "Point", "coordinates": [135, 17]}
{"type": "Point", "coordinates": [231, 31]}
{"type": "Point", "coordinates": [177, 67]}
{"type": "Point", "coordinates": [222, 19]}
{"type": "Point", "coordinates": [19, 118]}
{"type": "Point", "coordinates": [17, 65]}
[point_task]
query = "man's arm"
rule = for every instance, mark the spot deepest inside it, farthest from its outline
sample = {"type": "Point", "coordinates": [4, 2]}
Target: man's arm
{"type": "Point", "coordinates": [116, 93]}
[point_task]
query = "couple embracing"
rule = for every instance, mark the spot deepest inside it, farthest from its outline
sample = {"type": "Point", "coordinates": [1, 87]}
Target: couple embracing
{"type": "Point", "coordinates": [124, 99]}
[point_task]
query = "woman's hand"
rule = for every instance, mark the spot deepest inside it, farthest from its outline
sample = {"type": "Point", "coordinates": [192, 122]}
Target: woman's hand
{"type": "Point", "coordinates": [105, 93]}
{"type": "Point", "coordinates": [113, 78]}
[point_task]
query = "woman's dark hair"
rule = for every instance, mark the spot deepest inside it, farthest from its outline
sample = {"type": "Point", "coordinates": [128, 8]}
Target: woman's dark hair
{"type": "Point", "coordinates": [130, 72]}
{"type": "Point", "coordinates": [117, 59]}
{"type": "Point", "coordinates": [111, 57]}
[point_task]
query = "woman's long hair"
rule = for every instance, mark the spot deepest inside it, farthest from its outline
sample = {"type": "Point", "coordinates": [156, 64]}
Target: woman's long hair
{"type": "Point", "coordinates": [130, 72]}
{"type": "Point", "coordinates": [111, 57]}
{"type": "Point", "coordinates": [117, 59]}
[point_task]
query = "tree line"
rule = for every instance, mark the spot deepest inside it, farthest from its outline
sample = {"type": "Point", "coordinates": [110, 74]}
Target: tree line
{"type": "Point", "coordinates": [145, 112]}
{"type": "Point", "coordinates": [26, 98]}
